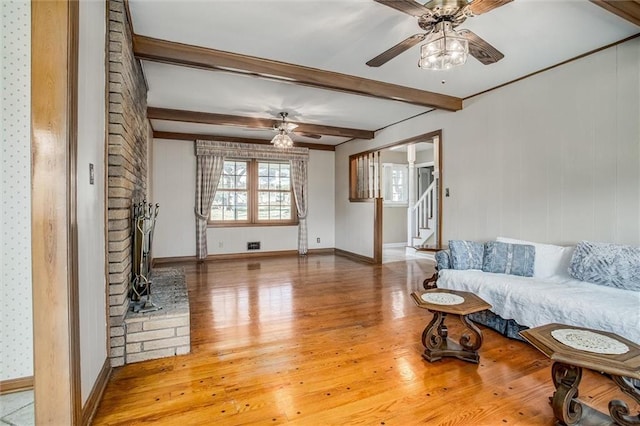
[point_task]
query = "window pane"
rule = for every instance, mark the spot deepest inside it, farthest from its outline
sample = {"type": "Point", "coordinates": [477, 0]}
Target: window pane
{"type": "Point", "coordinates": [285, 183]}
{"type": "Point", "coordinates": [241, 182]}
{"type": "Point", "coordinates": [263, 182]}
{"type": "Point", "coordinates": [263, 198]}
{"type": "Point", "coordinates": [263, 169]}
{"type": "Point", "coordinates": [263, 212]}
{"type": "Point", "coordinates": [274, 213]}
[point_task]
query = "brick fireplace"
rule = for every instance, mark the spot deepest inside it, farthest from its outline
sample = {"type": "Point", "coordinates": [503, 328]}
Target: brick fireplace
{"type": "Point", "coordinates": [129, 141]}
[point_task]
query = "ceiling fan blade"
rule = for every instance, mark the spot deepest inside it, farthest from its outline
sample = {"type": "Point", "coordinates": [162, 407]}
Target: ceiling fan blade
{"type": "Point", "coordinates": [391, 53]}
{"type": "Point", "coordinates": [409, 7]}
{"type": "Point", "coordinates": [480, 49]}
{"type": "Point", "coordinates": [309, 135]}
{"type": "Point", "coordinates": [478, 7]}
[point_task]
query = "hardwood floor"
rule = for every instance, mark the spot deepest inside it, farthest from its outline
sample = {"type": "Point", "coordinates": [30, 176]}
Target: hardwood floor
{"type": "Point", "coordinates": [324, 340]}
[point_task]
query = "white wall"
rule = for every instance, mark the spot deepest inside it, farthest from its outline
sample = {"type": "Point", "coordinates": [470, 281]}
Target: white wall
{"type": "Point", "coordinates": [174, 171]}
{"type": "Point", "coordinates": [552, 158]}
{"type": "Point", "coordinates": [16, 315]}
{"type": "Point", "coordinates": [354, 221]}
{"type": "Point", "coordinates": [91, 198]}
{"type": "Point", "coordinates": [394, 225]}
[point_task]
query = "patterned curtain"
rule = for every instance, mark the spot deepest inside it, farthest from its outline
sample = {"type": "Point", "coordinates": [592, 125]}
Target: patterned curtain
{"type": "Point", "coordinates": [208, 172]}
{"type": "Point", "coordinates": [299, 175]}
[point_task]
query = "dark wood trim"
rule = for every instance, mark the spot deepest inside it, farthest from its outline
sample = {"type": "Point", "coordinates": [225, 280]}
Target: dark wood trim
{"type": "Point", "coordinates": [354, 256]}
{"type": "Point", "coordinates": [158, 261]}
{"type": "Point", "coordinates": [624, 40]}
{"type": "Point", "coordinates": [377, 230]}
{"type": "Point", "coordinates": [251, 122]}
{"type": "Point", "coordinates": [424, 137]}
{"type": "Point", "coordinates": [437, 134]}
{"type": "Point", "coordinates": [91, 405]}
{"type": "Point", "coordinates": [626, 9]}
{"type": "Point", "coordinates": [204, 58]}
{"type": "Point", "coordinates": [54, 105]}
{"type": "Point", "coordinates": [195, 136]}
{"type": "Point", "coordinates": [438, 137]}
{"type": "Point", "coordinates": [16, 385]}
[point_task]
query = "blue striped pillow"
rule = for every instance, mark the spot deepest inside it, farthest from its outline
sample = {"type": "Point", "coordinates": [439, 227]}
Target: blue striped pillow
{"type": "Point", "coordinates": [505, 258]}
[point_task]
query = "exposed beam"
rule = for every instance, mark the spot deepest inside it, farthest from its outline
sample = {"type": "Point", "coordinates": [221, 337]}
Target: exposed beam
{"type": "Point", "coordinates": [626, 9]}
{"type": "Point", "coordinates": [252, 122]}
{"type": "Point", "coordinates": [200, 57]}
{"type": "Point", "coordinates": [196, 136]}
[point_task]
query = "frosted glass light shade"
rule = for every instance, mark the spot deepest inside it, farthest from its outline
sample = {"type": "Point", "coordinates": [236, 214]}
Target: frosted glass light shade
{"type": "Point", "coordinates": [444, 49]}
{"type": "Point", "coordinates": [282, 140]}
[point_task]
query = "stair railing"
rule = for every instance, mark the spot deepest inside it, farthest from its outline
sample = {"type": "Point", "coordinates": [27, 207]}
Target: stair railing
{"type": "Point", "coordinates": [421, 214]}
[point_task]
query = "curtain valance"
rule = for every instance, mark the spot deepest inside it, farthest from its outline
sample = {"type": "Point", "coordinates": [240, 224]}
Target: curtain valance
{"type": "Point", "coordinates": [250, 150]}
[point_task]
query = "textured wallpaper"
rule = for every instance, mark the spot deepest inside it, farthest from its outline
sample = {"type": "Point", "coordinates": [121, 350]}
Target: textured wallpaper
{"type": "Point", "coordinates": [16, 324]}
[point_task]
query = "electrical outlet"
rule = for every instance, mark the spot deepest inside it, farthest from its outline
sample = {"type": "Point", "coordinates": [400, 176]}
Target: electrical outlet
{"type": "Point", "coordinates": [318, 240]}
{"type": "Point", "coordinates": [446, 192]}
{"type": "Point", "coordinates": [220, 244]}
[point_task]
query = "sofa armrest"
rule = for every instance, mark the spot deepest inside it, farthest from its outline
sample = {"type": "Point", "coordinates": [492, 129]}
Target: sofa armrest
{"type": "Point", "coordinates": [431, 282]}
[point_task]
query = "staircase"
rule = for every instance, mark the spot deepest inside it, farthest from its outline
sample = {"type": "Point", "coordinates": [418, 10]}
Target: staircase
{"type": "Point", "coordinates": [422, 222]}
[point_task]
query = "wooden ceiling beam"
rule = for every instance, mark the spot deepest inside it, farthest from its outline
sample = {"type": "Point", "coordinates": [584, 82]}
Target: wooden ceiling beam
{"type": "Point", "coordinates": [626, 9]}
{"type": "Point", "coordinates": [164, 51]}
{"type": "Point", "coordinates": [196, 136]}
{"type": "Point", "coordinates": [252, 122]}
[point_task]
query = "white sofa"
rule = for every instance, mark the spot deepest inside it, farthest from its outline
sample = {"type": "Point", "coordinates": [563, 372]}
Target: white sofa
{"type": "Point", "coordinates": [551, 295]}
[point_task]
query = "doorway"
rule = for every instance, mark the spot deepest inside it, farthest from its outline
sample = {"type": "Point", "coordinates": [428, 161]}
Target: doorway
{"type": "Point", "coordinates": [414, 224]}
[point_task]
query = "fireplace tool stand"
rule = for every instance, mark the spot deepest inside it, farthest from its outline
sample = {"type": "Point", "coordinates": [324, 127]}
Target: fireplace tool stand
{"type": "Point", "coordinates": [144, 222]}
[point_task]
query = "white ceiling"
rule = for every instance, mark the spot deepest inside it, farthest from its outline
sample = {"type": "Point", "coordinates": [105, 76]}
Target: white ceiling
{"type": "Point", "coordinates": [341, 36]}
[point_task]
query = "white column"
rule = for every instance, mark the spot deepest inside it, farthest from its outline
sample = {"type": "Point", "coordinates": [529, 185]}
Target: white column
{"type": "Point", "coordinates": [411, 225]}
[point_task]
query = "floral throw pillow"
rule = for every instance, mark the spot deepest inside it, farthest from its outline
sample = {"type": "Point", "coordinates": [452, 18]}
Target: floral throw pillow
{"type": "Point", "coordinates": [613, 265]}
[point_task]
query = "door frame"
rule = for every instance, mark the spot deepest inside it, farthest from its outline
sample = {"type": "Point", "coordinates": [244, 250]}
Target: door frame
{"type": "Point", "coordinates": [54, 238]}
{"type": "Point", "coordinates": [436, 138]}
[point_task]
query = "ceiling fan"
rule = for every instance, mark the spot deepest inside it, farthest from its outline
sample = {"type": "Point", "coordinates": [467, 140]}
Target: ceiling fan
{"type": "Point", "coordinates": [285, 127]}
{"type": "Point", "coordinates": [438, 18]}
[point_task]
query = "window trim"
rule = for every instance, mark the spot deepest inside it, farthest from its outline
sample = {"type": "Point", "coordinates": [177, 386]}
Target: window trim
{"type": "Point", "coordinates": [387, 184]}
{"type": "Point", "coordinates": [252, 199]}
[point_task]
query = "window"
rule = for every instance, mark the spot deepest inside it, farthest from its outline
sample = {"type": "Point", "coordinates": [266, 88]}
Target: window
{"type": "Point", "coordinates": [254, 192]}
{"type": "Point", "coordinates": [395, 188]}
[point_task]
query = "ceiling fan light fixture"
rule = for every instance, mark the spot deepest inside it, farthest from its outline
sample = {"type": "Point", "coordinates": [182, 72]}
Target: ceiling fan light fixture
{"type": "Point", "coordinates": [444, 49]}
{"type": "Point", "coordinates": [282, 139]}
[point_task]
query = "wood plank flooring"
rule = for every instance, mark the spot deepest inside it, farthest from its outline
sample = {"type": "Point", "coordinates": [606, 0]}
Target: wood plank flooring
{"type": "Point", "coordinates": [324, 340]}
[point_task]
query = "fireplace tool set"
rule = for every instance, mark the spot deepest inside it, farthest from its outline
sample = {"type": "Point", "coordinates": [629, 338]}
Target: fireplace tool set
{"type": "Point", "coordinates": [144, 222]}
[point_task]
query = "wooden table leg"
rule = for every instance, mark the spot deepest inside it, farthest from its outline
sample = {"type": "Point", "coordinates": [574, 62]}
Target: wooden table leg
{"type": "Point", "coordinates": [437, 344]}
{"type": "Point", "coordinates": [434, 337]}
{"type": "Point", "coordinates": [564, 402]}
{"type": "Point", "coordinates": [619, 410]}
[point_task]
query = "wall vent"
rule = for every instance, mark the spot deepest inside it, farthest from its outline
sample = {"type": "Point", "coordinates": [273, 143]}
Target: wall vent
{"type": "Point", "coordinates": [253, 245]}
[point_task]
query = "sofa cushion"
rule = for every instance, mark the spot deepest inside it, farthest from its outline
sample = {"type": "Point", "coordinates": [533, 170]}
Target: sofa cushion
{"type": "Point", "coordinates": [443, 260]}
{"type": "Point", "coordinates": [504, 258]}
{"type": "Point", "coordinates": [613, 265]}
{"type": "Point", "coordinates": [551, 261]}
{"type": "Point", "coordinates": [466, 254]}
